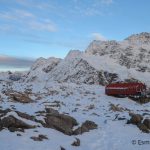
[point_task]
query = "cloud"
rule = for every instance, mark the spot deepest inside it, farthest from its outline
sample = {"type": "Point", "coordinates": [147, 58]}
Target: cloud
{"type": "Point", "coordinates": [16, 14]}
{"type": "Point", "coordinates": [98, 36]}
{"type": "Point", "coordinates": [26, 20]}
{"type": "Point", "coordinates": [72, 7]}
{"type": "Point", "coordinates": [91, 7]}
{"type": "Point", "coordinates": [43, 26]}
{"type": "Point", "coordinates": [15, 62]}
{"type": "Point", "coordinates": [24, 13]}
{"type": "Point", "coordinates": [108, 2]}
{"type": "Point", "coordinates": [5, 27]}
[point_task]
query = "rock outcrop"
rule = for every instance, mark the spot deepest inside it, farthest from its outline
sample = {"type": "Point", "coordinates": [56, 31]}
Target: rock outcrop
{"type": "Point", "coordinates": [85, 127]}
{"type": "Point", "coordinates": [14, 124]}
{"type": "Point", "coordinates": [19, 97]}
{"type": "Point", "coordinates": [60, 122]}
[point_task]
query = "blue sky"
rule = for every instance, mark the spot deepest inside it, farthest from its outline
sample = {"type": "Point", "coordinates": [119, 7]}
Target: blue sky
{"type": "Point", "coordinates": [44, 28]}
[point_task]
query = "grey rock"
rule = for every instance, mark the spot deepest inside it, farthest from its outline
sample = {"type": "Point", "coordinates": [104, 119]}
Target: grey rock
{"type": "Point", "coordinates": [135, 119]}
{"type": "Point", "coordinates": [76, 143]}
{"type": "Point", "coordinates": [61, 122]}
{"type": "Point", "coordinates": [85, 127]}
{"type": "Point", "coordinates": [146, 122]}
{"type": "Point", "coordinates": [13, 123]}
{"type": "Point", "coordinates": [143, 128]}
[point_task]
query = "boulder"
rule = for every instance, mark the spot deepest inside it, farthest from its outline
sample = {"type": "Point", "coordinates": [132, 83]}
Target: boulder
{"type": "Point", "coordinates": [25, 115]}
{"type": "Point", "coordinates": [40, 137]}
{"type": "Point", "coordinates": [85, 127]}
{"type": "Point", "coordinates": [36, 138]}
{"type": "Point", "coordinates": [4, 112]}
{"type": "Point", "coordinates": [51, 111]}
{"type": "Point", "coordinates": [116, 108]}
{"type": "Point", "coordinates": [62, 148]}
{"type": "Point", "coordinates": [61, 122]}
{"type": "Point", "coordinates": [76, 143]}
{"type": "Point", "coordinates": [143, 128]}
{"type": "Point", "coordinates": [13, 129]}
{"type": "Point", "coordinates": [12, 123]}
{"type": "Point", "coordinates": [146, 122]}
{"type": "Point", "coordinates": [20, 97]}
{"type": "Point", "coordinates": [135, 119]}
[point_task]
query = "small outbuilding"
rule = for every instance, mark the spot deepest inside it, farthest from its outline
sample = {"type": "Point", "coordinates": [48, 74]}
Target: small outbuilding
{"type": "Point", "coordinates": [125, 89]}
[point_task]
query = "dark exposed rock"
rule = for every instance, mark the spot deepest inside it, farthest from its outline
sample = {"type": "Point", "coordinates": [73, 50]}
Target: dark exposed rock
{"type": "Point", "coordinates": [36, 138]}
{"type": "Point", "coordinates": [76, 143]}
{"type": "Point", "coordinates": [40, 121]}
{"type": "Point", "coordinates": [40, 137]}
{"type": "Point", "coordinates": [135, 119]}
{"type": "Point", "coordinates": [61, 122]}
{"type": "Point", "coordinates": [116, 108]}
{"type": "Point", "coordinates": [83, 68]}
{"type": "Point", "coordinates": [85, 127]}
{"type": "Point", "coordinates": [121, 118]}
{"type": "Point", "coordinates": [18, 134]}
{"type": "Point", "coordinates": [106, 77]}
{"type": "Point", "coordinates": [141, 100]}
{"type": "Point", "coordinates": [15, 77]}
{"type": "Point", "coordinates": [131, 80]}
{"type": "Point", "coordinates": [4, 112]}
{"type": "Point", "coordinates": [12, 123]}
{"type": "Point", "coordinates": [146, 122]}
{"type": "Point", "coordinates": [25, 115]}
{"type": "Point", "coordinates": [29, 117]}
{"type": "Point", "coordinates": [13, 129]}
{"type": "Point", "coordinates": [43, 136]}
{"type": "Point", "coordinates": [62, 148]}
{"type": "Point", "coordinates": [20, 97]}
{"type": "Point", "coordinates": [40, 112]}
{"type": "Point", "coordinates": [50, 67]}
{"type": "Point", "coordinates": [51, 111]}
{"type": "Point", "coordinates": [143, 128]}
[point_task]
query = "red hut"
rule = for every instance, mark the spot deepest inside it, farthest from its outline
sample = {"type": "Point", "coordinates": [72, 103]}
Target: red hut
{"type": "Point", "coordinates": [125, 89]}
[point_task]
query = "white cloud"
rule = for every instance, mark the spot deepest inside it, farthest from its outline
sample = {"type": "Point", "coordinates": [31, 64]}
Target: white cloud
{"type": "Point", "coordinates": [43, 26]}
{"type": "Point", "coordinates": [98, 36]}
{"type": "Point", "coordinates": [24, 13]}
{"type": "Point", "coordinates": [15, 61]}
{"type": "Point", "coordinates": [92, 7]}
{"type": "Point", "coordinates": [108, 2]}
{"type": "Point", "coordinates": [5, 27]}
{"type": "Point", "coordinates": [73, 7]}
{"type": "Point", "coordinates": [27, 21]}
{"type": "Point", "coordinates": [16, 14]}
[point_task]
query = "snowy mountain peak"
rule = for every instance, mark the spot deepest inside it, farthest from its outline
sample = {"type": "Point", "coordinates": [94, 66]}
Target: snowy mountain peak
{"type": "Point", "coordinates": [73, 54]}
{"type": "Point", "coordinates": [41, 68]}
{"type": "Point", "coordinates": [101, 63]}
{"type": "Point", "coordinates": [141, 38]}
{"type": "Point", "coordinates": [101, 47]}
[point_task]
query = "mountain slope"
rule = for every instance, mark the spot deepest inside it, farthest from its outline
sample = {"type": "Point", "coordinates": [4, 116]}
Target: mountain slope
{"type": "Point", "coordinates": [101, 63]}
{"type": "Point", "coordinates": [61, 103]}
{"type": "Point", "coordinates": [133, 52]}
{"type": "Point", "coordinates": [129, 58]}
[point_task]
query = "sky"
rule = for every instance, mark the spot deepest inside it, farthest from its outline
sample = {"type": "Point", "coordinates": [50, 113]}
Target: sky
{"type": "Point", "coordinates": [30, 29]}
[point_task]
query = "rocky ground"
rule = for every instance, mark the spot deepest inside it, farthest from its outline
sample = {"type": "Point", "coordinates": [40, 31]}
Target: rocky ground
{"type": "Point", "coordinates": [60, 104]}
{"type": "Point", "coordinates": [70, 116]}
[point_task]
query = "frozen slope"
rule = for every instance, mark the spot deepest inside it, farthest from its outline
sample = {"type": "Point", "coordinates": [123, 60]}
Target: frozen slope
{"type": "Point", "coordinates": [133, 52]}
{"type": "Point", "coordinates": [73, 87]}
{"type": "Point", "coordinates": [108, 64]}
{"type": "Point", "coordinates": [83, 102]}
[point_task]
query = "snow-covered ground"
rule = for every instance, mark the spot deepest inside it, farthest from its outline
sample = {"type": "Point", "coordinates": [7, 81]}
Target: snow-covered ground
{"type": "Point", "coordinates": [83, 102]}
{"type": "Point", "coordinates": [73, 86]}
